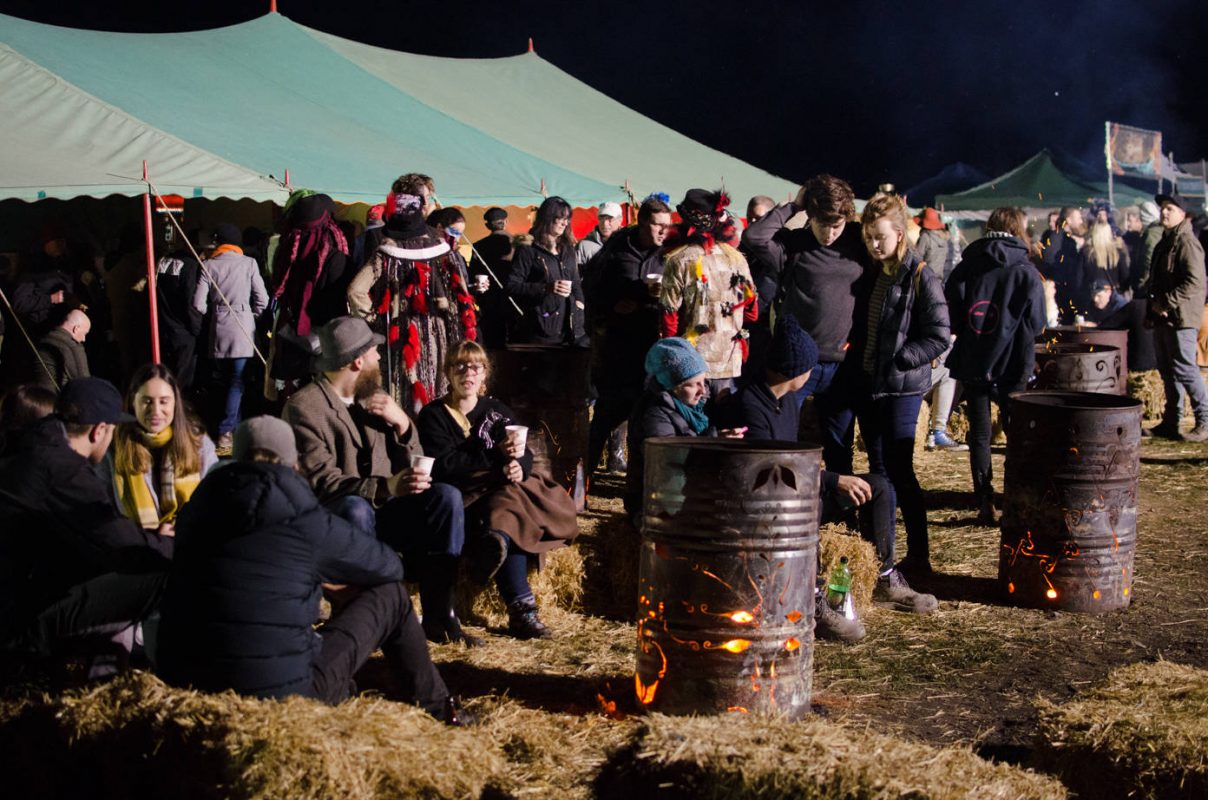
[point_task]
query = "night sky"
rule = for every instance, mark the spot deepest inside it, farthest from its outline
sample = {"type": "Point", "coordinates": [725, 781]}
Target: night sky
{"type": "Point", "coordinates": [871, 91]}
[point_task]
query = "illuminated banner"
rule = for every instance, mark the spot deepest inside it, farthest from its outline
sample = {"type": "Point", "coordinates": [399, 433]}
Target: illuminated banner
{"type": "Point", "coordinates": [1134, 151]}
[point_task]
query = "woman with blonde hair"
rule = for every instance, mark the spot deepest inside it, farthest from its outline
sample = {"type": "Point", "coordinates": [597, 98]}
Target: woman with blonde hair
{"type": "Point", "coordinates": [900, 326]}
{"type": "Point", "coordinates": [1104, 257]}
{"type": "Point", "coordinates": [158, 460]}
{"type": "Point", "coordinates": [512, 513]}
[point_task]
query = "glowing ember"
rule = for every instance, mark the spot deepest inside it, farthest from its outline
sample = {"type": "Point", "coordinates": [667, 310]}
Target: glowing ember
{"type": "Point", "coordinates": [736, 645]}
{"type": "Point", "coordinates": [1010, 587]}
{"type": "Point", "coordinates": [793, 616]}
{"type": "Point", "coordinates": [742, 617]}
{"type": "Point", "coordinates": [739, 709]}
{"type": "Point", "coordinates": [1096, 594]}
{"type": "Point", "coordinates": [1051, 594]}
{"type": "Point", "coordinates": [1126, 591]}
{"type": "Point", "coordinates": [792, 644]}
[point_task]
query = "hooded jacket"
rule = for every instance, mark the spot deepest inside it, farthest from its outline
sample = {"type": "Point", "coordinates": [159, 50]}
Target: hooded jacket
{"type": "Point", "coordinates": [548, 318]}
{"type": "Point", "coordinates": [996, 299]}
{"type": "Point", "coordinates": [252, 547]}
{"type": "Point", "coordinates": [913, 329]}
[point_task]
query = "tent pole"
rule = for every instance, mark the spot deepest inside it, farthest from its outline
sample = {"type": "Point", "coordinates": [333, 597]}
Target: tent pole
{"type": "Point", "coordinates": [1107, 149]}
{"type": "Point", "coordinates": [272, 6]}
{"type": "Point", "coordinates": [152, 300]}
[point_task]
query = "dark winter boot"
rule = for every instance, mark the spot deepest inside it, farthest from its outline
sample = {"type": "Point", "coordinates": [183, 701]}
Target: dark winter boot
{"type": "Point", "coordinates": [617, 463]}
{"type": "Point", "coordinates": [439, 621]}
{"type": "Point", "coordinates": [523, 622]}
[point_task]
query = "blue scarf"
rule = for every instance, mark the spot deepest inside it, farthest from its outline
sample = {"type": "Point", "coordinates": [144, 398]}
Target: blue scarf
{"type": "Point", "coordinates": [695, 415]}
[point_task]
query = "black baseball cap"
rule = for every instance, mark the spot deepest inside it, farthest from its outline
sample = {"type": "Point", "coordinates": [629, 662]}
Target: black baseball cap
{"type": "Point", "coordinates": [87, 401]}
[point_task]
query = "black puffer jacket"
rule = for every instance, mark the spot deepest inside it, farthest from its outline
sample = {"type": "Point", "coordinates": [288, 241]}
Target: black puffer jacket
{"type": "Point", "coordinates": [548, 318]}
{"type": "Point", "coordinates": [997, 303]}
{"type": "Point", "coordinates": [913, 330]}
{"type": "Point", "coordinates": [252, 546]}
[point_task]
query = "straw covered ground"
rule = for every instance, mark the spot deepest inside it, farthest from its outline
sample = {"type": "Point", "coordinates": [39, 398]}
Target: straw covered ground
{"type": "Point", "coordinates": [560, 719]}
{"type": "Point", "coordinates": [1142, 733]}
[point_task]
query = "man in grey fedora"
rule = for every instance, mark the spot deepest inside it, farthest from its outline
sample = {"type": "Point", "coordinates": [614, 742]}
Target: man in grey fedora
{"type": "Point", "coordinates": [355, 446]}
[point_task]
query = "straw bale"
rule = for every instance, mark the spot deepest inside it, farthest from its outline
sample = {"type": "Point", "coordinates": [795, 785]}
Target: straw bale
{"type": "Point", "coordinates": [612, 555]}
{"type": "Point", "coordinates": [137, 737]}
{"type": "Point", "coordinates": [558, 583]}
{"type": "Point", "coordinates": [739, 756]}
{"type": "Point", "coordinates": [836, 542]}
{"type": "Point", "coordinates": [1143, 733]}
{"type": "Point", "coordinates": [1147, 387]}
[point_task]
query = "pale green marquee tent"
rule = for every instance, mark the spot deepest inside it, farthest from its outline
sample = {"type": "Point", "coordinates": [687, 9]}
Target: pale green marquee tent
{"type": "Point", "coordinates": [216, 113]}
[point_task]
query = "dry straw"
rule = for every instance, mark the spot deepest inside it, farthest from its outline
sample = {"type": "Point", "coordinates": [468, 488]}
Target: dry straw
{"type": "Point", "coordinates": [702, 758]}
{"type": "Point", "coordinates": [1143, 734]}
{"type": "Point", "coordinates": [836, 542]}
{"type": "Point", "coordinates": [137, 737]}
{"type": "Point", "coordinates": [1147, 387]}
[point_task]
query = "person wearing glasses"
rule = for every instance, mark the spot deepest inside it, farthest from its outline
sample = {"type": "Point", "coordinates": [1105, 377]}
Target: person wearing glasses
{"type": "Point", "coordinates": [512, 514]}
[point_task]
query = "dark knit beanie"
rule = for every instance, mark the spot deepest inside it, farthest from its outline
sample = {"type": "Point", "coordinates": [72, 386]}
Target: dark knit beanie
{"type": "Point", "coordinates": [793, 351]}
{"type": "Point", "coordinates": [226, 233]}
{"type": "Point", "coordinates": [674, 360]}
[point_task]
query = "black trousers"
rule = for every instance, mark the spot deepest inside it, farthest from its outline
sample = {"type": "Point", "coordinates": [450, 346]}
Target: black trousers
{"type": "Point", "coordinates": [613, 406]}
{"type": "Point", "coordinates": [978, 397]}
{"type": "Point", "coordinates": [95, 609]}
{"type": "Point", "coordinates": [878, 523]}
{"type": "Point", "coordinates": [381, 616]}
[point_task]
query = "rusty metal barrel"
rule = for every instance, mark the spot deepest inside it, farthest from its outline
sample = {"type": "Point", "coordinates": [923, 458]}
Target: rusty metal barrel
{"type": "Point", "coordinates": [1079, 367]}
{"type": "Point", "coordinates": [1069, 523]}
{"type": "Point", "coordinates": [1099, 337]}
{"type": "Point", "coordinates": [726, 578]}
{"type": "Point", "coordinates": [548, 389]}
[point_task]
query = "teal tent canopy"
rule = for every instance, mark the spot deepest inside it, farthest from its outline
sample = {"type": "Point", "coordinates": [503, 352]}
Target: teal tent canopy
{"type": "Point", "coordinates": [1036, 183]}
{"type": "Point", "coordinates": [268, 95]}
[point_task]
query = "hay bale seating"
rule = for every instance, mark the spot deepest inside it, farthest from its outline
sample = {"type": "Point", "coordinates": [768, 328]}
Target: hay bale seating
{"type": "Point", "coordinates": [836, 542]}
{"type": "Point", "coordinates": [1142, 734]}
{"type": "Point", "coordinates": [1147, 387]}
{"type": "Point", "coordinates": [137, 737]}
{"type": "Point", "coordinates": [740, 756]}
{"type": "Point", "coordinates": [559, 583]}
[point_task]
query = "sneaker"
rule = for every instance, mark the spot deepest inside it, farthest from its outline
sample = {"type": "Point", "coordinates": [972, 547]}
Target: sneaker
{"type": "Point", "coordinates": [830, 624]}
{"type": "Point", "coordinates": [940, 440]}
{"type": "Point", "coordinates": [929, 443]}
{"type": "Point", "coordinates": [1197, 434]}
{"type": "Point", "coordinates": [523, 622]}
{"type": "Point", "coordinates": [485, 555]}
{"type": "Point", "coordinates": [893, 590]}
{"type": "Point", "coordinates": [454, 715]}
{"type": "Point", "coordinates": [224, 445]}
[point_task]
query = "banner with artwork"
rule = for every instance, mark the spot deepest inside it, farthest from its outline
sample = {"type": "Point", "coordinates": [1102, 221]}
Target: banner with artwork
{"type": "Point", "coordinates": [1134, 151]}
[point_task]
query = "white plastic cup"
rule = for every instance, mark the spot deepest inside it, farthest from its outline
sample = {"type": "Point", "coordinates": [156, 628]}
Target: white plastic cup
{"type": "Point", "coordinates": [654, 278]}
{"type": "Point", "coordinates": [517, 434]}
{"type": "Point", "coordinates": [423, 464]}
{"type": "Point", "coordinates": [1079, 320]}
{"type": "Point", "coordinates": [482, 283]}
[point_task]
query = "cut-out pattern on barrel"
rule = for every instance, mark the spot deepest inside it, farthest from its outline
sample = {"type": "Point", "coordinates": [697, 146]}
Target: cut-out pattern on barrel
{"type": "Point", "coordinates": [727, 575]}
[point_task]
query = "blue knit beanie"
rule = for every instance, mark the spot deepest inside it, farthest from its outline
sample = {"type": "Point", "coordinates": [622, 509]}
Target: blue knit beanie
{"type": "Point", "coordinates": [674, 360]}
{"type": "Point", "coordinates": [793, 351]}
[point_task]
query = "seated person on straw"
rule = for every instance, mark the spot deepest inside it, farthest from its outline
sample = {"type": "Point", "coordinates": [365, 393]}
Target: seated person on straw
{"type": "Point", "coordinates": [252, 548]}
{"type": "Point", "coordinates": [514, 513]}
{"type": "Point", "coordinates": [355, 446]}
{"type": "Point", "coordinates": [74, 571]}
{"type": "Point", "coordinates": [769, 410]}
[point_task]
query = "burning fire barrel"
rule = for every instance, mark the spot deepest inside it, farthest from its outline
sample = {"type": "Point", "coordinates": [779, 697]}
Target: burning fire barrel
{"type": "Point", "coordinates": [726, 582]}
{"type": "Point", "coordinates": [547, 387]}
{"type": "Point", "coordinates": [1069, 523]}
{"type": "Point", "coordinates": [1100, 337]}
{"type": "Point", "coordinates": [1079, 367]}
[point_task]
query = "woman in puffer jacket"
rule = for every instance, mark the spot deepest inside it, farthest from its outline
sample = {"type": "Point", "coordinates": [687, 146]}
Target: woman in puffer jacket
{"type": "Point", "coordinates": [900, 326]}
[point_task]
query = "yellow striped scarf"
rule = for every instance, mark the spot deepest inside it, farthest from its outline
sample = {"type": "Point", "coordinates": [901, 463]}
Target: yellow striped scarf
{"type": "Point", "coordinates": [135, 495]}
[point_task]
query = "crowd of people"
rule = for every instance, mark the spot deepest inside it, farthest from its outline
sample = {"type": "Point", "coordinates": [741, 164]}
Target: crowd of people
{"type": "Point", "coordinates": [197, 523]}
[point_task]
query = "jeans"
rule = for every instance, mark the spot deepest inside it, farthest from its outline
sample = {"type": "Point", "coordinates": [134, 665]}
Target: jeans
{"type": "Point", "coordinates": [512, 578]}
{"type": "Point", "coordinates": [381, 616]}
{"type": "Point", "coordinates": [230, 379]}
{"type": "Point", "coordinates": [877, 522]}
{"type": "Point", "coordinates": [1176, 352]}
{"type": "Point", "coordinates": [834, 415]}
{"type": "Point", "coordinates": [978, 397]}
{"type": "Point", "coordinates": [888, 426]}
{"type": "Point", "coordinates": [425, 528]}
